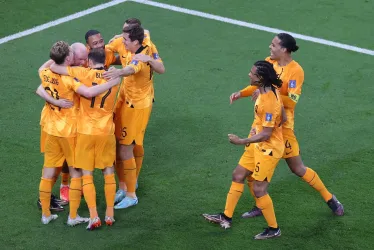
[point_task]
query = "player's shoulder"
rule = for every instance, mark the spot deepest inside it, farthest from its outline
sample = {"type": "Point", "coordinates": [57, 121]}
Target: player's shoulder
{"type": "Point", "coordinates": [296, 67]}
{"type": "Point", "coordinates": [268, 59]}
{"type": "Point", "coordinates": [117, 42]}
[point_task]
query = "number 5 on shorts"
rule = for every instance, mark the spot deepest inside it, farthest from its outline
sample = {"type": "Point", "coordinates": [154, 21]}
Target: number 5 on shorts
{"type": "Point", "coordinates": [257, 168]}
{"type": "Point", "coordinates": [124, 133]}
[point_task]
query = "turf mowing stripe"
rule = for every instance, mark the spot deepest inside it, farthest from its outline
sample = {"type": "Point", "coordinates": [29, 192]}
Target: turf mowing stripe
{"type": "Point", "coordinates": [255, 26]}
{"type": "Point", "coordinates": [60, 21]}
{"type": "Point", "coordinates": [185, 11]}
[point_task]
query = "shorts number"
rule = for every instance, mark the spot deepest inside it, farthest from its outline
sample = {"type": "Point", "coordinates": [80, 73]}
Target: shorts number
{"type": "Point", "coordinates": [93, 99]}
{"type": "Point", "coordinates": [54, 94]}
{"type": "Point", "coordinates": [124, 133]}
{"type": "Point", "coordinates": [288, 145]}
{"type": "Point", "coordinates": [257, 168]}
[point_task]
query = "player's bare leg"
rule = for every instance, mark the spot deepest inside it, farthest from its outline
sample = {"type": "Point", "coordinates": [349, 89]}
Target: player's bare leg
{"type": "Point", "coordinates": [75, 191]}
{"type": "Point", "coordinates": [64, 187]}
{"type": "Point", "coordinates": [110, 192]}
{"type": "Point", "coordinates": [45, 190]}
{"type": "Point", "coordinates": [297, 167]}
{"type": "Point", "coordinates": [127, 160]}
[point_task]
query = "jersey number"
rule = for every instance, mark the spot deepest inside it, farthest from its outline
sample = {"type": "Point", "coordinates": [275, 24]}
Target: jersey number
{"type": "Point", "coordinates": [102, 99]}
{"type": "Point", "coordinates": [54, 94]}
{"type": "Point", "coordinates": [288, 145]}
{"type": "Point", "coordinates": [257, 168]}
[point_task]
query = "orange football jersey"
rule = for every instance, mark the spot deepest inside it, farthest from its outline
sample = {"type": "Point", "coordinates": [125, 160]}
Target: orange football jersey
{"type": "Point", "coordinates": [292, 76]}
{"type": "Point", "coordinates": [58, 121]}
{"type": "Point", "coordinates": [96, 113]}
{"type": "Point", "coordinates": [268, 113]}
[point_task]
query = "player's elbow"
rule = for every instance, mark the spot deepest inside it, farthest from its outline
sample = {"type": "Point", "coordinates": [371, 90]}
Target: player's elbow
{"type": "Point", "coordinates": [266, 136]}
{"type": "Point", "coordinates": [161, 69]}
{"type": "Point", "coordinates": [86, 93]}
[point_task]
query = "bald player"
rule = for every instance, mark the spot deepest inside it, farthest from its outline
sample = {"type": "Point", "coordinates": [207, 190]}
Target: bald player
{"type": "Point", "coordinates": [80, 55]}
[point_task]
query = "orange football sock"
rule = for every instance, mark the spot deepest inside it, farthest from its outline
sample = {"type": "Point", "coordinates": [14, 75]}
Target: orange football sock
{"type": "Point", "coordinates": [315, 182]}
{"type": "Point", "coordinates": [121, 176]}
{"type": "Point", "coordinates": [65, 179]}
{"type": "Point", "coordinates": [266, 205]}
{"type": "Point", "coordinates": [45, 190]}
{"type": "Point", "coordinates": [75, 192]}
{"type": "Point", "coordinates": [110, 193]}
{"type": "Point", "coordinates": [139, 155]}
{"type": "Point", "coordinates": [236, 190]}
{"type": "Point", "coordinates": [89, 193]}
{"type": "Point", "coordinates": [130, 174]}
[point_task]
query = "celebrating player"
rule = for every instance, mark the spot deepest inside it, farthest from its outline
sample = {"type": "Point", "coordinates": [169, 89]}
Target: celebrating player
{"type": "Point", "coordinates": [262, 153]}
{"type": "Point", "coordinates": [96, 143]}
{"type": "Point", "coordinates": [60, 126]}
{"type": "Point", "coordinates": [152, 59]}
{"type": "Point", "coordinates": [292, 75]}
{"type": "Point", "coordinates": [135, 111]}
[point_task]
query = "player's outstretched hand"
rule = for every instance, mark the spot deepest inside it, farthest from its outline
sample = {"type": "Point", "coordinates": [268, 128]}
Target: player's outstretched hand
{"type": "Point", "coordinates": [255, 95]}
{"type": "Point", "coordinates": [63, 103]}
{"type": "Point", "coordinates": [234, 139]}
{"type": "Point", "coordinates": [112, 73]}
{"type": "Point", "coordinates": [115, 37]}
{"type": "Point", "coordinates": [234, 96]}
{"type": "Point", "coordinates": [142, 58]}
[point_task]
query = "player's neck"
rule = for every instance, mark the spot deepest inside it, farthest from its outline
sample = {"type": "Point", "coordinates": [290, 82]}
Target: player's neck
{"type": "Point", "coordinates": [264, 90]}
{"type": "Point", "coordinates": [284, 61]}
{"type": "Point", "coordinates": [97, 66]}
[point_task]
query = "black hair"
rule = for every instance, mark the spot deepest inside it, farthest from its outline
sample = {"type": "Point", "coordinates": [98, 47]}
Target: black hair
{"type": "Point", "coordinates": [90, 33]}
{"type": "Point", "coordinates": [267, 74]}
{"type": "Point", "coordinates": [287, 41]}
{"type": "Point", "coordinates": [97, 55]}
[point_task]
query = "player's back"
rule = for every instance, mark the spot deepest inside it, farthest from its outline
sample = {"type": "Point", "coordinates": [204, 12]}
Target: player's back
{"type": "Point", "coordinates": [58, 121]}
{"type": "Point", "coordinates": [96, 113]}
{"type": "Point", "coordinates": [264, 103]}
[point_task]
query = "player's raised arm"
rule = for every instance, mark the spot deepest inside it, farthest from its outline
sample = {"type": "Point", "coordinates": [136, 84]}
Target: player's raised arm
{"type": "Point", "coordinates": [113, 73]}
{"type": "Point", "coordinates": [93, 91]}
{"type": "Point", "coordinates": [62, 103]}
{"type": "Point", "coordinates": [45, 65]}
{"type": "Point", "coordinates": [156, 65]}
{"type": "Point", "coordinates": [59, 69]}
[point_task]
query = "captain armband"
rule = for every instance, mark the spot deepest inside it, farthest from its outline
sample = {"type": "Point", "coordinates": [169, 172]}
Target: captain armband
{"type": "Point", "coordinates": [294, 97]}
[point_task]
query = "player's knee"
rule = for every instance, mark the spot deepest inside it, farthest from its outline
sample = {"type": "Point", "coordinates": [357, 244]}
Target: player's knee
{"type": "Point", "coordinates": [49, 173]}
{"type": "Point", "coordinates": [108, 170]}
{"type": "Point", "coordinates": [238, 177]}
{"type": "Point", "coordinates": [298, 169]}
{"type": "Point", "coordinates": [259, 189]}
{"type": "Point", "coordinates": [75, 172]}
{"type": "Point", "coordinates": [126, 152]}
